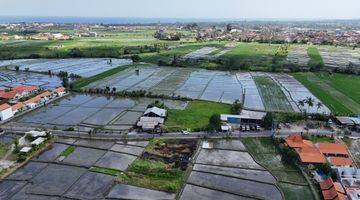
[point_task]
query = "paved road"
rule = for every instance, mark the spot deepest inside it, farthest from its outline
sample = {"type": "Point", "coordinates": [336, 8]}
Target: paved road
{"type": "Point", "coordinates": [139, 136]}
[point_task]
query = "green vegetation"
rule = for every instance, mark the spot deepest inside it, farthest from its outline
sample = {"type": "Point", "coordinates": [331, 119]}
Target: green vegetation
{"type": "Point", "coordinates": [255, 56]}
{"type": "Point", "coordinates": [86, 81]}
{"type": "Point", "coordinates": [67, 151]}
{"type": "Point", "coordinates": [154, 175]}
{"type": "Point", "coordinates": [104, 170]}
{"type": "Point", "coordinates": [316, 62]}
{"type": "Point", "coordinates": [290, 180]}
{"type": "Point", "coordinates": [318, 138]}
{"type": "Point", "coordinates": [196, 116]}
{"type": "Point", "coordinates": [3, 149]}
{"type": "Point", "coordinates": [271, 94]}
{"type": "Point", "coordinates": [338, 92]}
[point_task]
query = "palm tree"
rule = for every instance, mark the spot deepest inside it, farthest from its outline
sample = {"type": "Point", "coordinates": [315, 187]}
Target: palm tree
{"type": "Point", "coordinates": [301, 104]}
{"type": "Point", "coordinates": [310, 102]}
{"type": "Point", "coordinates": [318, 106]}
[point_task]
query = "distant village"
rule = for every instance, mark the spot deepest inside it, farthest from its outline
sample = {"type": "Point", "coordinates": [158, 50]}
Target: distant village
{"type": "Point", "coordinates": [303, 33]}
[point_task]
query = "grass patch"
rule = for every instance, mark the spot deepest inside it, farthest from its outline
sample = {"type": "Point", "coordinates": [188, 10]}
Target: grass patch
{"type": "Point", "coordinates": [196, 116]}
{"type": "Point", "coordinates": [318, 138]}
{"type": "Point", "coordinates": [334, 99]}
{"type": "Point", "coordinates": [67, 151]}
{"type": "Point", "coordinates": [104, 170]}
{"type": "Point", "coordinates": [3, 149]}
{"type": "Point", "coordinates": [86, 81]}
{"type": "Point", "coordinates": [316, 62]}
{"type": "Point", "coordinates": [154, 175]}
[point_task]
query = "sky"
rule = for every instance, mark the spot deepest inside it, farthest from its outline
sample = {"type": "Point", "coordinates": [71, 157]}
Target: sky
{"type": "Point", "coordinates": [215, 9]}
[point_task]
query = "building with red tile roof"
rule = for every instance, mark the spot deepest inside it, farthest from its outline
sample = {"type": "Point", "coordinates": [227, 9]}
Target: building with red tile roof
{"type": "Point", "coordinates": [5, 112]}
{"type": "Point", "coordinates": [333, 149]}
{"type": "Point", "coordinates": [59, 91]}
{"type": "Point", "coordinates": [296, 141]}
{"type": "Point", "coordinates": [25, 89]}
{"type": "Point", "coordinates": [9, 95]}
{"type": "Point", "coordinates": [332, 190]}
{"type": "Point", "coordinates": [16, 107]}
{"type": "Point", "coordinates": [340, 161]}
{"type": "Point", "coordinates": [310, 155]}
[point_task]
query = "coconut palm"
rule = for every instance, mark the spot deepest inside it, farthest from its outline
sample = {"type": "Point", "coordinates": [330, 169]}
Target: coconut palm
{"type": "Point", "coordinates": [318, 106]}
{"type": "Point", "coordinates": [310, 102]}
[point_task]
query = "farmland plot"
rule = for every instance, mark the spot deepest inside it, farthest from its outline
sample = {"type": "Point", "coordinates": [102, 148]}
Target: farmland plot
{"type": "Point", "coordinates": [272, 96]}
{"type": "Point", "coordinates": [298, 56]}
{"type": "Point", "coordinates": [289, 179]}
{"type": "Point", "coordinates": [252, 98]}
{"type": "Point", "coordinates": [92, 111]}
{"type": "Point", "coordinates": [85, 67]}
{"type": "Point", "coordinates": [65, 178]}
{"type": "Point", "coordinates": [339, 57]}
{"type": "Point", "coordinates": [9, 78]}
{"type": "Point", "coordinates": [219, 171]}
{"type": "Point", "coordinates": [200, 53]}
{"type": "Point", "coordinates": [296, 92]}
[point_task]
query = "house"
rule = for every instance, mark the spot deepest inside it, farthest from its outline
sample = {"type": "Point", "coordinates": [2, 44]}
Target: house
{"type": "Point", "coordinates": [306, 150]}
{"type": "Point", "coordinates": [5, 112]}
{"type": "Point", "coordinates": [17, 107]}
{"type": "Point", "coordinates": [24, 90]}
{"type": "Point", "coordinates": [332, 190]}
{"type": "Point", "coordinates": [310, 155]}
{"type": "Point", "coordinates": [9, 95]}
{"type": "Point", "coordinates": [150, 123]}
{"type": "Point", "coordinates": [340, 161]}
{"type": "Point", "coordinates": [155, 112]}
{"type": "Point", "coordinates": [60, 91]}
{"type": "Point", "coordinates": [333, 149]}
{"type": "Point", "coordinates": [349, 177]}
{"type": "Point", "coordinates": [45, 95]}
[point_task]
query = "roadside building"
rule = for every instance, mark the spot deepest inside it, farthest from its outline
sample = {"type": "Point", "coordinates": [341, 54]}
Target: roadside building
{"type": "Point", "coordinates": [345, 121]}
{"type": "Point", "coordinates": [5, 112]}
{"type": "Point", "coordinates": [24, 90]}
{"type": "Point", "coordinates": [150, 123]}
{"type": "Point", "coordinates": [251, 117]}
{"type": "Point", "coordinates": [333, 149]}
{"type": "Point", "coordinates": [155, 112]}
{"type": "Point", "coordinates": [17, 107]}
{"type": "Point", "coordinates": [349, 177]}
{"type": "Point", "coordinates": [332, 190]}
{"type": "Point", "coordinates": [60, 91]}
{"type": "Point", "coordinates": [9, 95]}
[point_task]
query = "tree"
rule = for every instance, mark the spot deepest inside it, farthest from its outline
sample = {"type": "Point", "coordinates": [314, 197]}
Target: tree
{"type": "Point", "coordinates": [65, 82]}
{"type": "Point", "coordinates": [17, 68]}
{"type": "Point", "coordinates": [135, 58]}
{"type": "Point", "coordinates": [236, 107]}
{"type": "Point", "coordinates": [310, 102]}
{"type": "Point", "coordinates": [228, 27]}
{"type": "Point", "coordinates": [318, 106]}
{"type": "Point", "coordinates": [268, 120]}
{"type": "Point", "coordinates": [214, 122]}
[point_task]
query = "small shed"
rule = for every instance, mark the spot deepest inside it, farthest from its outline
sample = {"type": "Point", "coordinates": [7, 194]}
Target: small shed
{"type": "Point", "coordinates": [155, 112]}
{"type": "Point", "coordinates": [38, 141]}
{"type": "Point", "coordinates": [25, 150]}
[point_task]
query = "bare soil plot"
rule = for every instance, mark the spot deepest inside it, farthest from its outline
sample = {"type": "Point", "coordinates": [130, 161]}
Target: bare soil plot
{"type": "Point", "coordinates": [354, 148]}
{"type": "Point", "coordinates": [55, 179]}
{"type": "Point", "coordinates": [235, 145]}
{"type": "Point", "coordinates": [298, 56]}
{"type": "Point", "coordinates": [339, 57]}
{"type": "Point", "coordinates": [113, 160]}
{"type": "Point", "coordinates": [122, 191]}
{"type": "Point", "coordinates": [91, 186]}
{"type": "Point", "coordinates": [134, 143]}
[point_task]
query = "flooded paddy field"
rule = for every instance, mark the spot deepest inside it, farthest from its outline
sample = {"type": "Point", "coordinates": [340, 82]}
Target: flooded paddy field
{"type": "Point", "coordinates": [201, 53]}
{"type": "Point", "coordinates": [55, 175]}
{"type": "Point", "coordinates": [89, 111]}
{"type": "Point", "coordinates": [279, 92]}
{"type": "Point", "coordinates": [226, 170]}
{"type": "Point", "coordinates": [84, 67]}
{"type": "Point", "coordinates": [9, 78]}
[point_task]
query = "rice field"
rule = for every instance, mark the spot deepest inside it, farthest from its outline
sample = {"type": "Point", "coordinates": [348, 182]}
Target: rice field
{"type": "Point", "coordinates": [340, 57]}
{"type": "Point", "coordinates": [338, 92]}
{"type": "Point", "coordinates": [84, 67]}
{"type": "Point", "coordinates": [289, 179]}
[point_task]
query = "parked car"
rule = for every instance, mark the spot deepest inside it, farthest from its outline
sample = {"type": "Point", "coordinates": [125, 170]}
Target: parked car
{"type": "Point", "coordinates": [185, 132]}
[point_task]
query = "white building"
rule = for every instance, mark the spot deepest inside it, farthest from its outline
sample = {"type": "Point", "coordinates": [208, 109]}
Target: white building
{"type": "Point", "coordinates": [5, 112]}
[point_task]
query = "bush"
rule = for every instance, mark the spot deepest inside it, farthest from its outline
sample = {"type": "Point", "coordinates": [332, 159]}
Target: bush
{"type": "Point", "coordinates": [214, 123]}
{"type": "Point", "coordinates": [21, 158]}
